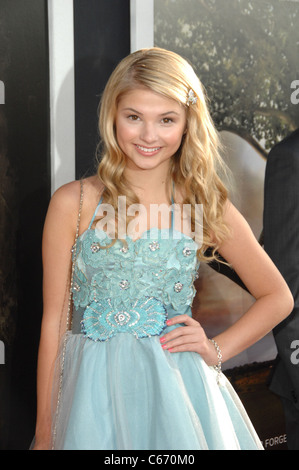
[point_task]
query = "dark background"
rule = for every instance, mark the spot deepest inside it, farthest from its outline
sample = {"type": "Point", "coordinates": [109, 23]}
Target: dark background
{"type": "Point", "coordinates": [102, 38]}
{"type": "Point", "coordinates": [25, 191]}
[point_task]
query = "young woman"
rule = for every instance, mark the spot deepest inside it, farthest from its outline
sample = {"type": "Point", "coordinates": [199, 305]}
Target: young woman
{"type": "Point", "coordinates": [129, 368]}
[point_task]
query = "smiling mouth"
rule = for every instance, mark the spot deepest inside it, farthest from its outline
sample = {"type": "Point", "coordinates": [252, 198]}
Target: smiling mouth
{"type": "Point", "coordinates": [147, 150]}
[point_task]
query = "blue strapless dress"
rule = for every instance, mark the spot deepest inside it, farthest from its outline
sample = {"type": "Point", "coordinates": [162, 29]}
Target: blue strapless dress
{"type": "Point", "coordinates": [120, 389]}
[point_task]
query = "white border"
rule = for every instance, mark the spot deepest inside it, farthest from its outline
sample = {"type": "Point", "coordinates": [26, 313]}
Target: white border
{"type": "Point", "coordinates": [142, 24]}
{"type": "Point", "coordinates": [62, 92]}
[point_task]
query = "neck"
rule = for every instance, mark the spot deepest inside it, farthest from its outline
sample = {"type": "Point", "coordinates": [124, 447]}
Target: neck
{"type": "Point", "coordinates": [149, 184]}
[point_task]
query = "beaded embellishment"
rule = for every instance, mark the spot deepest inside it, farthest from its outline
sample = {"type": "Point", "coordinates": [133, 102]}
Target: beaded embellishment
{"type": "Point", "coordinates": [151, 267]}
{"type": "Point", "coordinates": [146, 317]}
{"type": "Point", "coordinates": [191, 97]}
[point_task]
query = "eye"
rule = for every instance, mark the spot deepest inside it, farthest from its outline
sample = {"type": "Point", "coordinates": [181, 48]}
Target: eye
{"type": "Point", "coordinates": [133, 117]}
{"type": "Point", "coordinates": [167, 120]}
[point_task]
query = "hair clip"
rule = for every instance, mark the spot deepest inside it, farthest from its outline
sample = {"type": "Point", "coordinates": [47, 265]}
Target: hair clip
{"type": "Point", "coordinates": [191, 98]}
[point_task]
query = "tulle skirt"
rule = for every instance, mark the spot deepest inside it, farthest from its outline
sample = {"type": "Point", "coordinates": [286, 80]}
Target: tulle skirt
{"type": "Point", "coordinates": [129, 393]}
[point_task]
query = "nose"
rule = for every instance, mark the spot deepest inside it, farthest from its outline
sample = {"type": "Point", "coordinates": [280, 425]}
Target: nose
{"type": "Point", "coordinates": [149, 133]}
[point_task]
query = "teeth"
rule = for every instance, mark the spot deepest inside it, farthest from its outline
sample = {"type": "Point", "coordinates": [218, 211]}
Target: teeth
{"type": "Point", "coordinates": [148, 150]}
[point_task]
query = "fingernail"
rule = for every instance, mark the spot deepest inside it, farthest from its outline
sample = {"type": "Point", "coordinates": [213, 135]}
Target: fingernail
{"type": "Point", "coordinates": [168, 322]}
{"type": "Point", "coordinates": [162, 339]}
{"type": "Point", "coordinates": [164, 346]}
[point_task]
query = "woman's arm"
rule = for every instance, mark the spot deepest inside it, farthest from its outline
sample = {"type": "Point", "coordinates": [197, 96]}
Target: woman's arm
{"type": "Point", "coordinates": [58, 238]}
{"type": "Point", "coordinates": [274, 301]}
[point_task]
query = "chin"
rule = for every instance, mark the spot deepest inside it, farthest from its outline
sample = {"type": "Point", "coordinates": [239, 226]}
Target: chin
{"type": "Point", "coordinates": [147, 163]}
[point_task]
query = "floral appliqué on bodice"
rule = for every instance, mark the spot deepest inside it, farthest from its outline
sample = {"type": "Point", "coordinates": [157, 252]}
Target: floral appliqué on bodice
{"type": "Point", "coordinates": [128, 288]}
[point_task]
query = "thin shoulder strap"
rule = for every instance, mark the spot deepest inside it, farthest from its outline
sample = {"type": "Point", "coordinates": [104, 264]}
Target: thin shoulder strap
{"type": "Point", "coordinates": [68, 324]}
{"type": "Point", "coordinates": [80, 210]}
{"type": "Point", "coordinates": [172, 203]}
{"type": "Point", "coordinates": [74, 255]}
{"type": "Point", "coordinates": [95, 212]}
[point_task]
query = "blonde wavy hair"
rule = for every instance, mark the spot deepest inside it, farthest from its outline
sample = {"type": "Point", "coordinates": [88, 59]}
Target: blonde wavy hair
{"type": "Point", "coordinates": [196, 166]}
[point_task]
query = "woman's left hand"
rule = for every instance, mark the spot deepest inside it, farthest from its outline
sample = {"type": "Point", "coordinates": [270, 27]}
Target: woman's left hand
{"type": "Point", "coordinates": [190, 337]}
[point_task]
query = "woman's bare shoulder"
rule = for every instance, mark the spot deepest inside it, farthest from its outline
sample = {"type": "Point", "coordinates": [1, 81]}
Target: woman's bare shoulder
{"type": "Point", "coordinates": [69, 194]}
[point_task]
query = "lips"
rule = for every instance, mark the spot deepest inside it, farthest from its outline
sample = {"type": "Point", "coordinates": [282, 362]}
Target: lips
{"type": "Point", "coordinates": [147, 150]}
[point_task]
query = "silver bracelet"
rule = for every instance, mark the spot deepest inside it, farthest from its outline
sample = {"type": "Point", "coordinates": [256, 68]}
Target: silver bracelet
{"type": "Point", "coordinates": [219, 357]}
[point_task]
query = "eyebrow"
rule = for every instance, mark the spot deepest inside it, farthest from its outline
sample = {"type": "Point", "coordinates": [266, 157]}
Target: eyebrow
{"type": "Point", "coordinates": [132, 110]}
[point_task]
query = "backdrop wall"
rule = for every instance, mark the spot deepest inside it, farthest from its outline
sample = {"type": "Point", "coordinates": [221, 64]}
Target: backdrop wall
{"type": "Point", "coordinates": [55, 58]}
{"type": "Point", "coordinates": [246, 55]}
{"type": "Point", "coordinates": [25, 191]}
{"type": "Point", "coordinates": [43, 47]}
